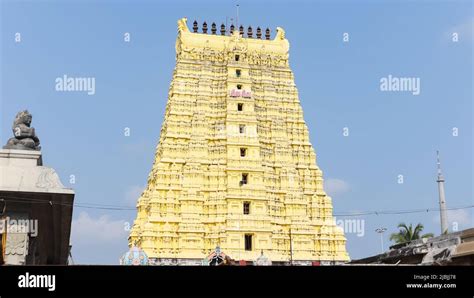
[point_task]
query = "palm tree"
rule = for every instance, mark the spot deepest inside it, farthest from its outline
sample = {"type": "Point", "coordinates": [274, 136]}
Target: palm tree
{"type": "Point", "coordinates": [407, 233]}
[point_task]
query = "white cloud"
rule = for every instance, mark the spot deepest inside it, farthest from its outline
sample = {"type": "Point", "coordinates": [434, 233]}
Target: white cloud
{"type": "Point", "coordinates": [464, 30]}
{"type": "Point", "coordinates": [133, 193]}
{"type": "Point", "coordinates": [335, 187]}
{"type": "Point", "coordinates": [101, 229]}
{"type": "Point", "coordinates": [98, 240]}
{"type": "Point", "coordinates": [460, 218]}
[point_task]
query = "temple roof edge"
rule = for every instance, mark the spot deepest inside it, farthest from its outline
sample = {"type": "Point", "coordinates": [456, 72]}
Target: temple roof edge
{"type": "Point", "coordinates": [193, 39]}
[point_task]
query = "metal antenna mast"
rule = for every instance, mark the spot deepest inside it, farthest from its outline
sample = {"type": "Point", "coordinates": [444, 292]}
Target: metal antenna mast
{"type": "Point", "coordinates": [237, 19]}
{"type": "Point", "coordinates": [442, 198]}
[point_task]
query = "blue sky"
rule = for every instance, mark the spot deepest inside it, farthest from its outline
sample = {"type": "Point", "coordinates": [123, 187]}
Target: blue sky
{"type": "Point", "coordinates": [390, 133]}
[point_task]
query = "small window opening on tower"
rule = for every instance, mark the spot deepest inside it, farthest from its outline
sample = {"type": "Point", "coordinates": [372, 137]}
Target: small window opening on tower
{"type": "Point", "coordinates": [246, 207]}
{"type": "Point", "coordinates": [237, 57]}
{"type": "Point", "coordinates": [243, 152]}
{"type": "Point", "coordinates": [241, 128]}
{"type": "Point", "coordinates": [244, 179]}
{"type": "Point", "coordinates": [240, 107]}
{"type": "Point", "coordinates": [239, 86]}
{"type": "Point", "coordinates": [248, 242]}
{"type": "Point", "coordinates": [238, 73]}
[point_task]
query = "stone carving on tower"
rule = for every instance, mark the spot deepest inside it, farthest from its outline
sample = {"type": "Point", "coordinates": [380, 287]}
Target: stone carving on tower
{"type": "Point", "coordinates": [234, 167]}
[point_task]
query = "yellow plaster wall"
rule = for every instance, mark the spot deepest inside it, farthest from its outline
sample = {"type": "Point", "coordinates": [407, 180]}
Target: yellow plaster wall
{"type": "Point", "coordinates": [194, 201]}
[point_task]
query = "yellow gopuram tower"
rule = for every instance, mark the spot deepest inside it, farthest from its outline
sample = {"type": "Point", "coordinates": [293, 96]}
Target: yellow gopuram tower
{"type": "Point", "coordinates": [234, 166]}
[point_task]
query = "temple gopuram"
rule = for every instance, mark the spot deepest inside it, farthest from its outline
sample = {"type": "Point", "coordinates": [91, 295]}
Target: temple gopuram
{"type": "Point", "coordinates": [234, 167]}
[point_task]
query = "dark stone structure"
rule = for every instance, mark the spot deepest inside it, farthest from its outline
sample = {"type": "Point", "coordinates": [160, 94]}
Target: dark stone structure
{"type": "Point", "coordinates": [35, 207]}
{"type": "Point", "coordinates": [24, 136]}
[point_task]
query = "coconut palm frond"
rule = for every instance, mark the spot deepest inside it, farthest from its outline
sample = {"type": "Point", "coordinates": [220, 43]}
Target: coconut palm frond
{"type": "Point", "coordinates": [407, 233]}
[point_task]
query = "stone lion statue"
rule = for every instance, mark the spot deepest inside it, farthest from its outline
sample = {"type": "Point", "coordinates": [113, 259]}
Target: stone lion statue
{"type": "Point", "coordinates": [24, 136]}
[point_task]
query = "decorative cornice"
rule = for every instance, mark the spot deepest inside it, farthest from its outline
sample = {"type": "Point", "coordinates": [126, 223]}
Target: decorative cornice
{"type": "Point", "coordinates": [234, 39]}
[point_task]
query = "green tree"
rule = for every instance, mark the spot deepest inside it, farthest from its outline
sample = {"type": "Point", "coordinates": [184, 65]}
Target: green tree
{"type": "Point", "coordinates": [407, 233]}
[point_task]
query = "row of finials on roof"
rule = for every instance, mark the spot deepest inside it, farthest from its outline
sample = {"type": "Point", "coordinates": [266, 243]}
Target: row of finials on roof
{"type": "Point", "coordinates": [232, 28]}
